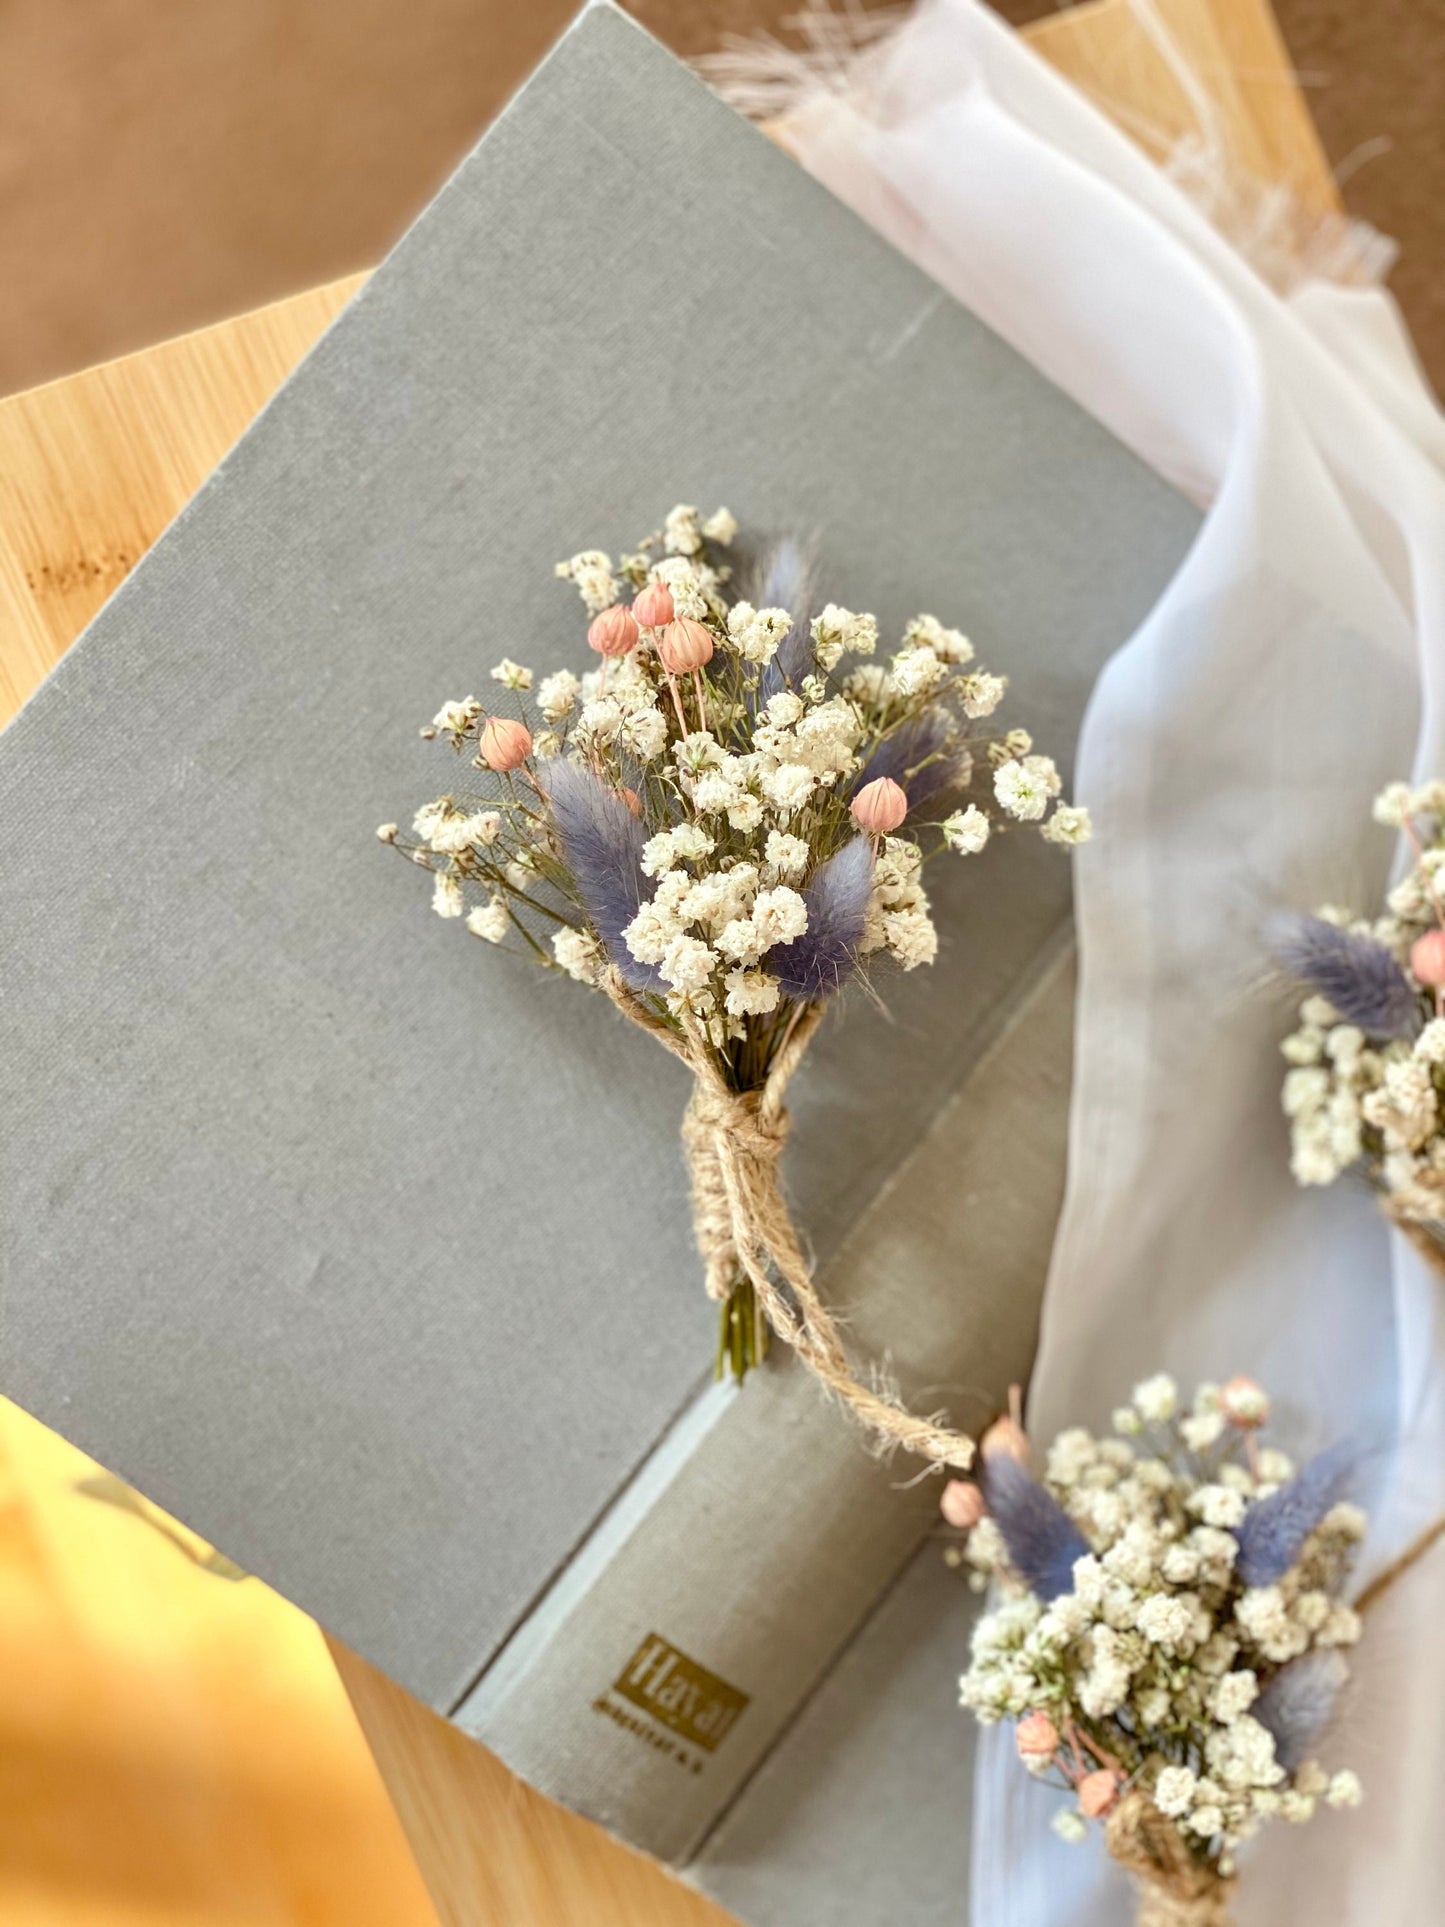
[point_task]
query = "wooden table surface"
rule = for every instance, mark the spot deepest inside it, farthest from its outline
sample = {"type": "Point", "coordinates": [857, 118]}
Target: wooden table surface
{"type": "Point", "coordinates": [93, 467]}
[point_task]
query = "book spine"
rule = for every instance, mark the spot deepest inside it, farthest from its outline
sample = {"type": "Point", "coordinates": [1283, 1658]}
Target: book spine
{"type": "Point", "coordinates": [664, 1662]}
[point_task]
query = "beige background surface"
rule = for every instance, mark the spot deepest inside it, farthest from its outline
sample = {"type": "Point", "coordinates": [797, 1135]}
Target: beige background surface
{"type": "Point", "coordinates": [165, 163]}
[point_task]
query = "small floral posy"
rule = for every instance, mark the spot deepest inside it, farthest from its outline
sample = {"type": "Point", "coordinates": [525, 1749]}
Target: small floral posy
{"type": "Point", "coordinates": [1171, 1639]}
{"type": "Point", "coordinates": [720, 826]}
{"type": "Point", "coordinates": [1366, 1080]}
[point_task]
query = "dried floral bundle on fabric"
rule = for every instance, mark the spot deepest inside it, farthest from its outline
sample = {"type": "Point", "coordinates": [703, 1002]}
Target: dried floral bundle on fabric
{"type": "Point", "coordinates": [721, 827]}
{"type": "Point", "coordinates": [1367, 1063]}
{"type": "Point", "coordinates": [1171, 1638]}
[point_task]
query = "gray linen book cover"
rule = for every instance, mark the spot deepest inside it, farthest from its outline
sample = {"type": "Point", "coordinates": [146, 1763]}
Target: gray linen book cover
{"type": "Point", "coordinates": [366, 1251]}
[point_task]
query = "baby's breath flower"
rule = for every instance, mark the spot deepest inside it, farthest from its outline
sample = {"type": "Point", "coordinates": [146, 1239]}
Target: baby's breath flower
{"type": "Point", "coordinates": [511, 674]}
{"type": "Point", "coordinates": [838, 632]}
{"type": "Point", "coordinates": [681, 534]}
{"type": "Point", "coordinates": [455, 719]}
{"type": "Point", "coordinates": [591, 571]}
{"type": "Point", "coordinates": [689, 582]}
{"type": "Point", "coordinates": [1174, 1790]}
{"type": "Point", "coordinates": [967, 831]}
{"type": "Point", "coordinates": [557, 694]}
{"type": "Point", "coordinates": [949, 645]}
{"type": "Point", "coordinates": [1070, 825]}
{"type": "Point", "coordinates": [751, 992]}
{"type": "Point", "coordinates": [981, 693]}
{"type": "Point", "coordinates": [788, 787]}
{"type": "Point", "coordinates": [1156, 1399]}
{"type": "Point", "coordinates": [489, 921]}
{"type": "Point", "coordinates": [579, 954]}
{"type": "Point", "coordinates": [917, 671]}
{"type": "Point", "coordinates": [756, 633]}
{"type": "Point", "coordinates": [1393, 806]}
{"type": "Point", "coordinates": [788, 855]}
{"type": "Point", "coordinates": [720, 527]}
{"type": "Point", "coordinates": [1022, 791]}
{"type": "Point", "coordinates": [447, 894]}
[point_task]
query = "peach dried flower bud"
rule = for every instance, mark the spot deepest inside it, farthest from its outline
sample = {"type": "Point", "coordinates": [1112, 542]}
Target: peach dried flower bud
{"type": "Point", "coordinates": [1427, 959]}
{"type": "Point", "coordinates": [1006, 1439]}
{"type": "Point", "coordinates": [880, 806]}
{"type": "Point", "coordinates": [684, 645]}
{"type": "Point", "coordinates": [504, 744]}
{"type": "Point", "coordinates": [1243, 1402]}
{"type": "Point", "coordinates": [1097, 1793]}
{"type": "Point", "coordinates": [961, 1504]}
{"type": "Point", "coordinates": [1037, 1737]}
{"type": "Point", "coordinates": [614, 632]}
{"type": "Point", "coordinates": [652, 607]}
{"type": "Point", "coordinates": [633, 801]}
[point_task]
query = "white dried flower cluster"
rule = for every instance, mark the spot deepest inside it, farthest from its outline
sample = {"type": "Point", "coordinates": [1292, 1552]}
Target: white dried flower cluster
{"type": "Point", "coordinates": [724, 874]}
{"type": "Point", "coordinates": [1373, 1090]}
{"type": "Point", "coordinates": [1151, 1664]}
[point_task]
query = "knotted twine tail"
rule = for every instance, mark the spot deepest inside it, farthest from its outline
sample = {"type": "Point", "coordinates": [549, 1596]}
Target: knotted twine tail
{"type": "Point", "coordinates": [734, 1140]}
{"type": "Point", "coordinates": [1174, 1889]}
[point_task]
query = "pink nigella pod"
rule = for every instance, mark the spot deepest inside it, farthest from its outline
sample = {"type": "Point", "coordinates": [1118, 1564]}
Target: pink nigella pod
{"type": "Point", "coordinates": [880, 806]}
{"type": "Point", "coordinates": [633, 801]}
{"type": "Point", "coordinates": [1005, 1438]}
{"type": "Point", "coordinates": [1243, 1402]}
{"type": "Point", "coordinates": [614, 632]}
{"type": "Point", "coordinates": [504, 744]}
{"type": "Point", "coordinates": [1037, 1737]}
{"type": "Point", "coordinates": [652, 607]}
{"type": "Point", "coordinates": [962, 1504]}
{"type": "Point", "coordinates": [1427, 959]}
{"type": "Point", "coordinates": [1097, 1793]}
{"type": "Point", "coordinates": [684, 645]}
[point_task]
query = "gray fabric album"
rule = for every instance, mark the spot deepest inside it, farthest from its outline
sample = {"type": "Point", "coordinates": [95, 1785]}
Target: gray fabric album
{"type": "Point", "coordinates": [366, 1251]}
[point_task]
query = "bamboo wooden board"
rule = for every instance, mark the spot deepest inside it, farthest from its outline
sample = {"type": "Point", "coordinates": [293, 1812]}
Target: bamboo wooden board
{"type": "Point", "coordinates": [92, 469]}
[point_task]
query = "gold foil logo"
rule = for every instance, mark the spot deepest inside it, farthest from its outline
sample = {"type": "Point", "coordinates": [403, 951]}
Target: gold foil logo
{"type": "Point", "coordinates": [679, 1694]}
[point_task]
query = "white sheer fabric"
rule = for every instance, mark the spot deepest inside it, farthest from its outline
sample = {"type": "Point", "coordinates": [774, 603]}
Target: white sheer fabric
{"type": "Point", "coordinates": [1229, 756]}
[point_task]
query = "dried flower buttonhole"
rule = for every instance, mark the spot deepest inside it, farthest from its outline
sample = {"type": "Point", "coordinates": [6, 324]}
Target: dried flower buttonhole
{"type": "Point", "coordinates": [1366, 1083]}
{"type": "Point", "coordinates": [1170, 1637]}
{"type": "Point", "coordinates": [721, 826]}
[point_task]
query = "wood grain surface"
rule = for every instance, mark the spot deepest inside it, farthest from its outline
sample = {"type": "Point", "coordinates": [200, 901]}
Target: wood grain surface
{"type": "Point", "coordinates": [93, 467]}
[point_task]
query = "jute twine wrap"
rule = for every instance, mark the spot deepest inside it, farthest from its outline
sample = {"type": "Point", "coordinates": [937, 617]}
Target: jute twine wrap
{"type": "Point", "coordinates": [734, 1140]}
{"type": "Point", "coordinates": [1174, 1889]}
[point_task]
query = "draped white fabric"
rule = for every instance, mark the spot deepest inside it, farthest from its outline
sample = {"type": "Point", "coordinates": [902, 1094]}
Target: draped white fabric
{"type": "Point", "coordinates": [1229, 756]}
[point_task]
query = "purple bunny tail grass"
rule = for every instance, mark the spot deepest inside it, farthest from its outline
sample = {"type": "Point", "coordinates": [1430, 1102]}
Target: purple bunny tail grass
{"type": "Point", "coordinates": [602, 844]}
{"type": "Point", "coordinates": [1043, 1541]}
{"type": "Point", "coordinates": [921, 756]}
{"type": "Point", "coordinates": [1273, 1531]}
{"type": "Point", "coordinates": [783, 580]}
{"type": "Point", "coordinates": [1357, 975]}
{"type": "Point", "coordinates": [819, 962]}
{"type": "Point", "coordinates": [1297, 1703]}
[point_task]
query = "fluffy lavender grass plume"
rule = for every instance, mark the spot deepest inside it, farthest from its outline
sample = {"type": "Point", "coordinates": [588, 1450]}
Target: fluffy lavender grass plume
{"type": "Point", "coordinates": [1273, 1531]}
{"type": "Point", "coordinates": [919, 758]}
{"type": "Point", "coordinates": [1043, 1541]}
{"type": "Point", "coordinates": [1297, 1703]}
{"type": "Point", "coordinates": [818, 963]}
{"type": "Point", "coordinates": [783, 580]}
{"type": "Point", "coordinates": [602, 843]}
{"type": "Point", "coordinates": [1358, 976]}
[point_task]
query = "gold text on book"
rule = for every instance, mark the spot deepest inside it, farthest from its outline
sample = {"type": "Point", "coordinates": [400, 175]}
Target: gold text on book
{"type": "Point", "coordinates": [679, 1694]}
